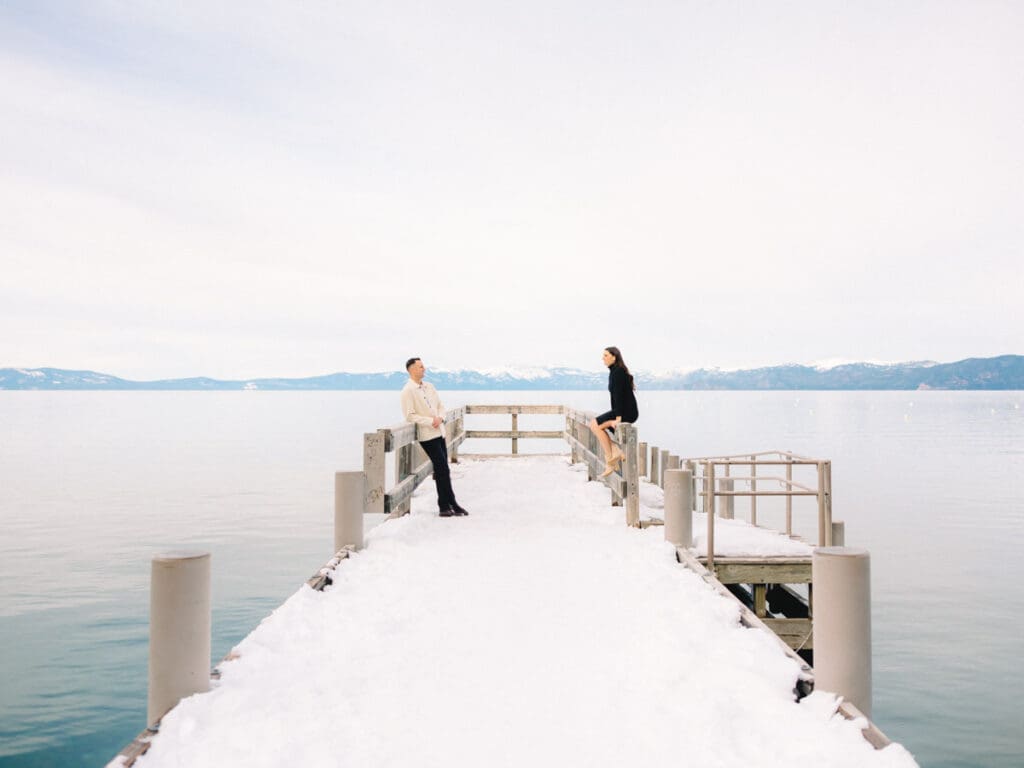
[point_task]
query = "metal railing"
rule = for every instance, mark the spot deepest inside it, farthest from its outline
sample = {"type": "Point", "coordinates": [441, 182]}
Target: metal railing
{"type": "Point", "coordinates": [714, 487]}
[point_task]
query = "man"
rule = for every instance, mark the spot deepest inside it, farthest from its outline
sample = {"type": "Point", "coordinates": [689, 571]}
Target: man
{"type": "Point", "coordinates": [422, 406]}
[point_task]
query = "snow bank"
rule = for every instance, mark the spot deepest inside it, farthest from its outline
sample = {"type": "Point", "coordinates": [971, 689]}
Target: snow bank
{"type": "Point", "coordinates": [538, 631]}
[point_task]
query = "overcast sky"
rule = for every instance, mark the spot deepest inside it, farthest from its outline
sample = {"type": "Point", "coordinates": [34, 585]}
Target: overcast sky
{"type": "Point", "coordinates": [252, 189]}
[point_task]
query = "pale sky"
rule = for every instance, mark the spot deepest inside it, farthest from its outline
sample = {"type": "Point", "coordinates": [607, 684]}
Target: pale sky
{"type": "Point", "coordinates": [253, 189]}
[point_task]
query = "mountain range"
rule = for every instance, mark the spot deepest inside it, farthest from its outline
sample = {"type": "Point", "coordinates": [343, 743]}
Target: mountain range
{"type": "Point", "coordinates": [1003, 372]}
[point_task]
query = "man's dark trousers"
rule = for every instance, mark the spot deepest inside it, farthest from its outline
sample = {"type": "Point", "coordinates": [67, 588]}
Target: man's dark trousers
{"type": "Point", "coordinates": [438, 453]}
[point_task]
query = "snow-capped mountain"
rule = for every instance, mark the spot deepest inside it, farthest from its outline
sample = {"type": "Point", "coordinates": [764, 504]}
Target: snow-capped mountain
{"type": "Point", "coordinates": [1004, 372]}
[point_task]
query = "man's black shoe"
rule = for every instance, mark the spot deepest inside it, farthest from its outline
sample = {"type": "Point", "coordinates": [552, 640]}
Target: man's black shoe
{"type": "Point", "coordinates": [447, 513]}
{"type": "Point", "coordinates": [456, 509]}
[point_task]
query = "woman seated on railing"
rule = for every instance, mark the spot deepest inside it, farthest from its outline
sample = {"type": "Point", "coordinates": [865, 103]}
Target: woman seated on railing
{"type": "Point", "coordinates": [624, 408]}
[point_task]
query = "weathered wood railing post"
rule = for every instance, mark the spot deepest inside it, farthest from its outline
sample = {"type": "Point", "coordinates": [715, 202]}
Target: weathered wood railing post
{"type": "Point", "coordinates": [842, 623]}
{"type": "Point", "coordinates": [692, 469]}
{"type": "Point", "coordinates": [789, 496]}
{"type": "Point", "coordinates": [642, 459]}
{"type": "Point", "coordinates": [662, 466]}
{"type": "Point", "coordinates": [653, 475]}
{"type": "Point", "coordinates": [350, 503]}
{"type": "Point", "coordinates": [828, 504]}
{"type": "Point", "coordinates": [753, 490]}
{"type": "Point", "coordinates": [515, 429]}
{"type": "Point", "coordinates": [373, 465]}
{"type": "Point", "coordinates": [709, 509]}
{"type": "Point", "coordinates": [630, 473]}
{"type": "Point", "coordinates": [179, 630]}
{"type": "Point", "coordinates": [728, 506]}
{"type": "Point", "coordinates": [823, 536]}
{"type": "Point", "coordinates": [454, 429]}
{"type": "Point", "coordinates": [678, 507]}
{"type": "Point", "coordinates": [403, 468]}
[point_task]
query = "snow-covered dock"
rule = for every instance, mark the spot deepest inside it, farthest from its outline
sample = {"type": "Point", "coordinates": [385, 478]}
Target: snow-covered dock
{"type": "Point", "coordinates": [539, 630]}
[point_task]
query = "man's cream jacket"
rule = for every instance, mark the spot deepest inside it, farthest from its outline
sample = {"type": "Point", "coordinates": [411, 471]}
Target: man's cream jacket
{"type": "Point", "coordinates": [420, 404]}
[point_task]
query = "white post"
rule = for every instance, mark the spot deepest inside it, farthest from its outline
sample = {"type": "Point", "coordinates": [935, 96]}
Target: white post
{"type": "Point", "coordinates": [678, 507]}
{"type": "Point", "coordinates": [838, 533]}
{"type": "Point", "coordinates": [728, 509]}
{"type": "Point", "coordinates": [841, 610]}
{"type": "Point", "coordinates": [179, 630]}
{"type": "Point", "coordinates": [662, 466]}
{"type": "Point", "coordinates": [349, 506]}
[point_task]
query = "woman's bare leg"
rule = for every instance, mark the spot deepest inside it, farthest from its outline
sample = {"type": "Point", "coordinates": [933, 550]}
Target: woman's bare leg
{"type": "Point", "coordinates": [600, 431]}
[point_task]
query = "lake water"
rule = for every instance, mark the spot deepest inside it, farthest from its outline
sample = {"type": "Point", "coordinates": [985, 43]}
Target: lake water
{"type": "Point", "coordinates": [93, 484]}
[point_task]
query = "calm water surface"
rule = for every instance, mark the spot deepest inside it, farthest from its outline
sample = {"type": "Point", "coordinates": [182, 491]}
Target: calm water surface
{"type": "Point", "coordinates": [93, 484]}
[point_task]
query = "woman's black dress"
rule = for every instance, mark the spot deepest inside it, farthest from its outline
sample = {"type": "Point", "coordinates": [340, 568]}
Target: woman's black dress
{"type": "Point", "coordinates": [620, 385]}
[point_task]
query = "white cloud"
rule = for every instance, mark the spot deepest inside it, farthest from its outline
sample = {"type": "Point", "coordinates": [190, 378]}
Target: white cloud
{"type": "Point", "coordinates": [248, 189]}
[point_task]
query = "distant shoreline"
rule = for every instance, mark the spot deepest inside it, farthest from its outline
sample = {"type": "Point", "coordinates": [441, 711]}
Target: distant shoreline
{"type": "Point", "coordinates": [1003, 373]}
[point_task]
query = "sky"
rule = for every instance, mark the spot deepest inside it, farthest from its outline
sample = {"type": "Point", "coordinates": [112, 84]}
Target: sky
{"type": "Point", "coordinates": [289, 189]}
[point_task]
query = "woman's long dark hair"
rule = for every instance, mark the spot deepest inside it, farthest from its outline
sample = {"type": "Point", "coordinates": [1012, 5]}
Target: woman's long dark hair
{"type": "Point", "coordinates": [620, 363]}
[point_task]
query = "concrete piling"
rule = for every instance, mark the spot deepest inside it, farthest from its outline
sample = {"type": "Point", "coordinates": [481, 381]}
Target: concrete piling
{"type": "Point", "coordinates": [678, 507]}
{"type": "Point", "coordinates": [179, 629]}
{"type": "Point", "coordinates": [842, 623]}
{"type": "Point", "coordinates": [349, 506]}
{"type": "Point", "coordinates": [727, 510]}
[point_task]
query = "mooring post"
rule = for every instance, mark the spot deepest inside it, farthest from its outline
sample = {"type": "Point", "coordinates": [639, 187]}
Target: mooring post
{"type": "Point", "coordinates": [652, 475]}
{"type": "Point", "coordinates": [662, 466]}
{"type": "Point", "coordinates": [673, 462]}
{"type": "Point", "coordinates": [642, 459]}
{"type": "Point", "coordinates": [179, 629]}
{"type": "Point", "coordinates": [838, 533]}
{"type": "Point", "coordinates": [841, 611]}
{"type": "Point", "coordinates": [678, 507]}
{"type": "Point", "coordinates": [728, 509]}
{"type": "Point", "coordinates": [349, 506]}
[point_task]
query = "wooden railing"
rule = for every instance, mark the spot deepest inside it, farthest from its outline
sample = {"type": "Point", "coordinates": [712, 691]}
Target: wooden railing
{"type": "Point", "coordinates": [712, 475]}
{"type": "Point", "coordinates": [412, 466]}
{"type": "Point", "coordinates": [714, 487]}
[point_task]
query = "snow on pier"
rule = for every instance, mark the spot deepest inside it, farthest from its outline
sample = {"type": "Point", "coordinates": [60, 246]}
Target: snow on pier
{"type": "Point", "coordinates": [538, 631]}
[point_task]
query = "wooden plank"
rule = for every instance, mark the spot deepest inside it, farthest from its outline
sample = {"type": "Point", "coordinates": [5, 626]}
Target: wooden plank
{"type": "Point", "coordinates": [615, 481]}
{"type": "Point", "coordinates": [393, 499]}
{"type": "Point", "coordinates": [535, 409]}
{"type": "Point", "coordinates": [760, 601]}
{"type": "Point", "coordinates": [762, 570]}
{"type": "Point", "coordinates": [398, 435]}
{"type": "Point", "coordinates": [520, 433]}
{"type": "Point", "coordinates": [805, 684]}
{"type": "Point", "coordinates": [796, 633]}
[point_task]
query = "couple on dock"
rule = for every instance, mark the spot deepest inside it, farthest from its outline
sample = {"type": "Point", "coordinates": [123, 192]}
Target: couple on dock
{"type": "Point", "coordinates": [421, 405]}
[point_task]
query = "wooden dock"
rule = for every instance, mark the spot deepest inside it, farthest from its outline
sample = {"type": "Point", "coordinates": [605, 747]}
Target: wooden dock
{"type": "Point", "coordinates": [775, 592]}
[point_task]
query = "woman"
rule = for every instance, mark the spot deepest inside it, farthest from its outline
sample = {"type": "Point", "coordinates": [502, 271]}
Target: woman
{"type": "Point", "coordinates": [621, 386]}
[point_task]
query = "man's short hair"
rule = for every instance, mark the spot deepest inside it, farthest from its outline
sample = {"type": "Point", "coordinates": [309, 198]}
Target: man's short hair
{"type": "Point", "coordinates": [409, 362]}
